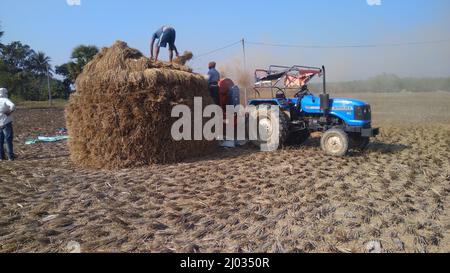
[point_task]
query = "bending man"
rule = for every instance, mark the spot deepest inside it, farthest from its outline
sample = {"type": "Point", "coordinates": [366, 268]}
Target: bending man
{"type": "Point", "coordinates": [165, 35]}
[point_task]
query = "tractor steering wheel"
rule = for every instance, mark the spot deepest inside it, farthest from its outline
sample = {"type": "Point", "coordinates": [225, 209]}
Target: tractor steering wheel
{"type": "Point", "coordinates": [280, 94]}
{"type": "Point", "coordinates": [302, 92]}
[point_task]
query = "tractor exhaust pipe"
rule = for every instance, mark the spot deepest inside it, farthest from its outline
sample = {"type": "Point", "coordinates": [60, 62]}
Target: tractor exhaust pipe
{"type": "Point", "coordinates": [324, 97]}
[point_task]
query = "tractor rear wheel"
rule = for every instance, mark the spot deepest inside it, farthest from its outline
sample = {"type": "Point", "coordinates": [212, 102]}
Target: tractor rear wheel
{"type": "Point", "coordinates": [335, 142]}
{"type": "Point", "coordinates": [267, 122]}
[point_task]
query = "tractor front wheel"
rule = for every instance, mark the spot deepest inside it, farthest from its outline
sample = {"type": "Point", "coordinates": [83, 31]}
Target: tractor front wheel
{"type": "Point", "coordinates": [335, 142]}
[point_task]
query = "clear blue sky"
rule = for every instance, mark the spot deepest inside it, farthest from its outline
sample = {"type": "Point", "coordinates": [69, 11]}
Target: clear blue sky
{"type": "Point", "coordinates": [56, 28]}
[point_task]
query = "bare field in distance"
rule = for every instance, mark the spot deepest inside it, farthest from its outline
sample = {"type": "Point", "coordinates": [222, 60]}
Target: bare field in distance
{"type": "Point", "coordinates": [411, 107]}
{"type": "Point", "coordinates": [407, 107]}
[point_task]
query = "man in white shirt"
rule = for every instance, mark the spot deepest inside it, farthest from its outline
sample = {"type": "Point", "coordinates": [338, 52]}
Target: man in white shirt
{"type": "Point", "coordinates": [7, 107]}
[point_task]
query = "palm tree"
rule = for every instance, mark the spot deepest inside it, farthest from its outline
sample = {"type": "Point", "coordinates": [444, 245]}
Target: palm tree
{"type": "Point", "coordinates": [40, 64]}
{"type": "Point", "coordinates": [83, 54]}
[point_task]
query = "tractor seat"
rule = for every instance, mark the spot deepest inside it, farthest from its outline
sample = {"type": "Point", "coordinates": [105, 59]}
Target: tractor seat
{"type": "Point", "coordinates": [273, 76]}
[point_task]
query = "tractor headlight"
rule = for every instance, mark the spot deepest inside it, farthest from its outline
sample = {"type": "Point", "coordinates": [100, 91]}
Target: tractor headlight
{"type": "Point", "coordinates": [363, 112]}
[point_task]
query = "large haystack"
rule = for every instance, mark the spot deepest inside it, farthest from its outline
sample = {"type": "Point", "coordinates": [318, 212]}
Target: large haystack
{"type": "Point", "coordinates": [120, 114]}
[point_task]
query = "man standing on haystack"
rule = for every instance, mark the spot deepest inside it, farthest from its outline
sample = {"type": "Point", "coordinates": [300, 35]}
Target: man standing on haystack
{"type": "Point", "coordinates": [165, 35]}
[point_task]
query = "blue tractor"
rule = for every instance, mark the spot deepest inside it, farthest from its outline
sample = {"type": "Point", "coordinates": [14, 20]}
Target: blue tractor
{"type": "Point", "coordinates": [345, 123]}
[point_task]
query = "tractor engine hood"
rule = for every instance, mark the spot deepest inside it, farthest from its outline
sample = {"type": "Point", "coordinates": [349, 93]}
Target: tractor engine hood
{"type": "Point", "coordinates": [343, 108]}
{"type": "Point", "coordinates": [310, 103]}
{"type": "Point", "coordinates": [347, 102]}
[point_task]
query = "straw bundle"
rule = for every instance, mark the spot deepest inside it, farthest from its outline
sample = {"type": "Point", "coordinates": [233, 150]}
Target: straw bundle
{"type": "Point", "coordinates": [183, 59]}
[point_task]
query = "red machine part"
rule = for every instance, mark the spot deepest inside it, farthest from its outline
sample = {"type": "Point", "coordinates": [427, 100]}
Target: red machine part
{"type": "Point", "coordinates": [224, 87]}
{"type": "Point", "coordinates": [300, 79]}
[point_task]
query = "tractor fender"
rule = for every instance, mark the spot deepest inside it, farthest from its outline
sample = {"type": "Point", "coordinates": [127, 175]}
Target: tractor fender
{"type": "Point", "coordinates": [282, 103]}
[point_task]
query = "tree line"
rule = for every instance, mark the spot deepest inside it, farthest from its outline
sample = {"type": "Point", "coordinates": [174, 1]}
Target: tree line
{"type": "Point", "coordinates": [28, 74]}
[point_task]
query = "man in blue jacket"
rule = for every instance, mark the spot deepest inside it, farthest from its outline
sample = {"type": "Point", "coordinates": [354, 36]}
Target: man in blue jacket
{"type": "Point", "coordinates": [213, 82]}
{"type": "Point", "coordinates": [165, 35]}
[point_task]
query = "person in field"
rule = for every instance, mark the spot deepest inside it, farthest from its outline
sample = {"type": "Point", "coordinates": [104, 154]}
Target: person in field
{"type": "Point", "coordinates": [225, 86]}
{"type": "Point", "coordinates": [6, 128]}
{"type": "Point", "coordinates": [165, 35]}
{"type": "Point", "coordinates": [213, 82]}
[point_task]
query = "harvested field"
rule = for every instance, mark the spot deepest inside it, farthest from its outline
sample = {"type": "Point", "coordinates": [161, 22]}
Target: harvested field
{"type": "Point", "coordinates": [292, 200]}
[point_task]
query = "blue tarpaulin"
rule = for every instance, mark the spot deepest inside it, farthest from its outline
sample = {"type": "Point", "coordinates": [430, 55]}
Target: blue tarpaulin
{"type": "Point", "coordinates": [46, 139]}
